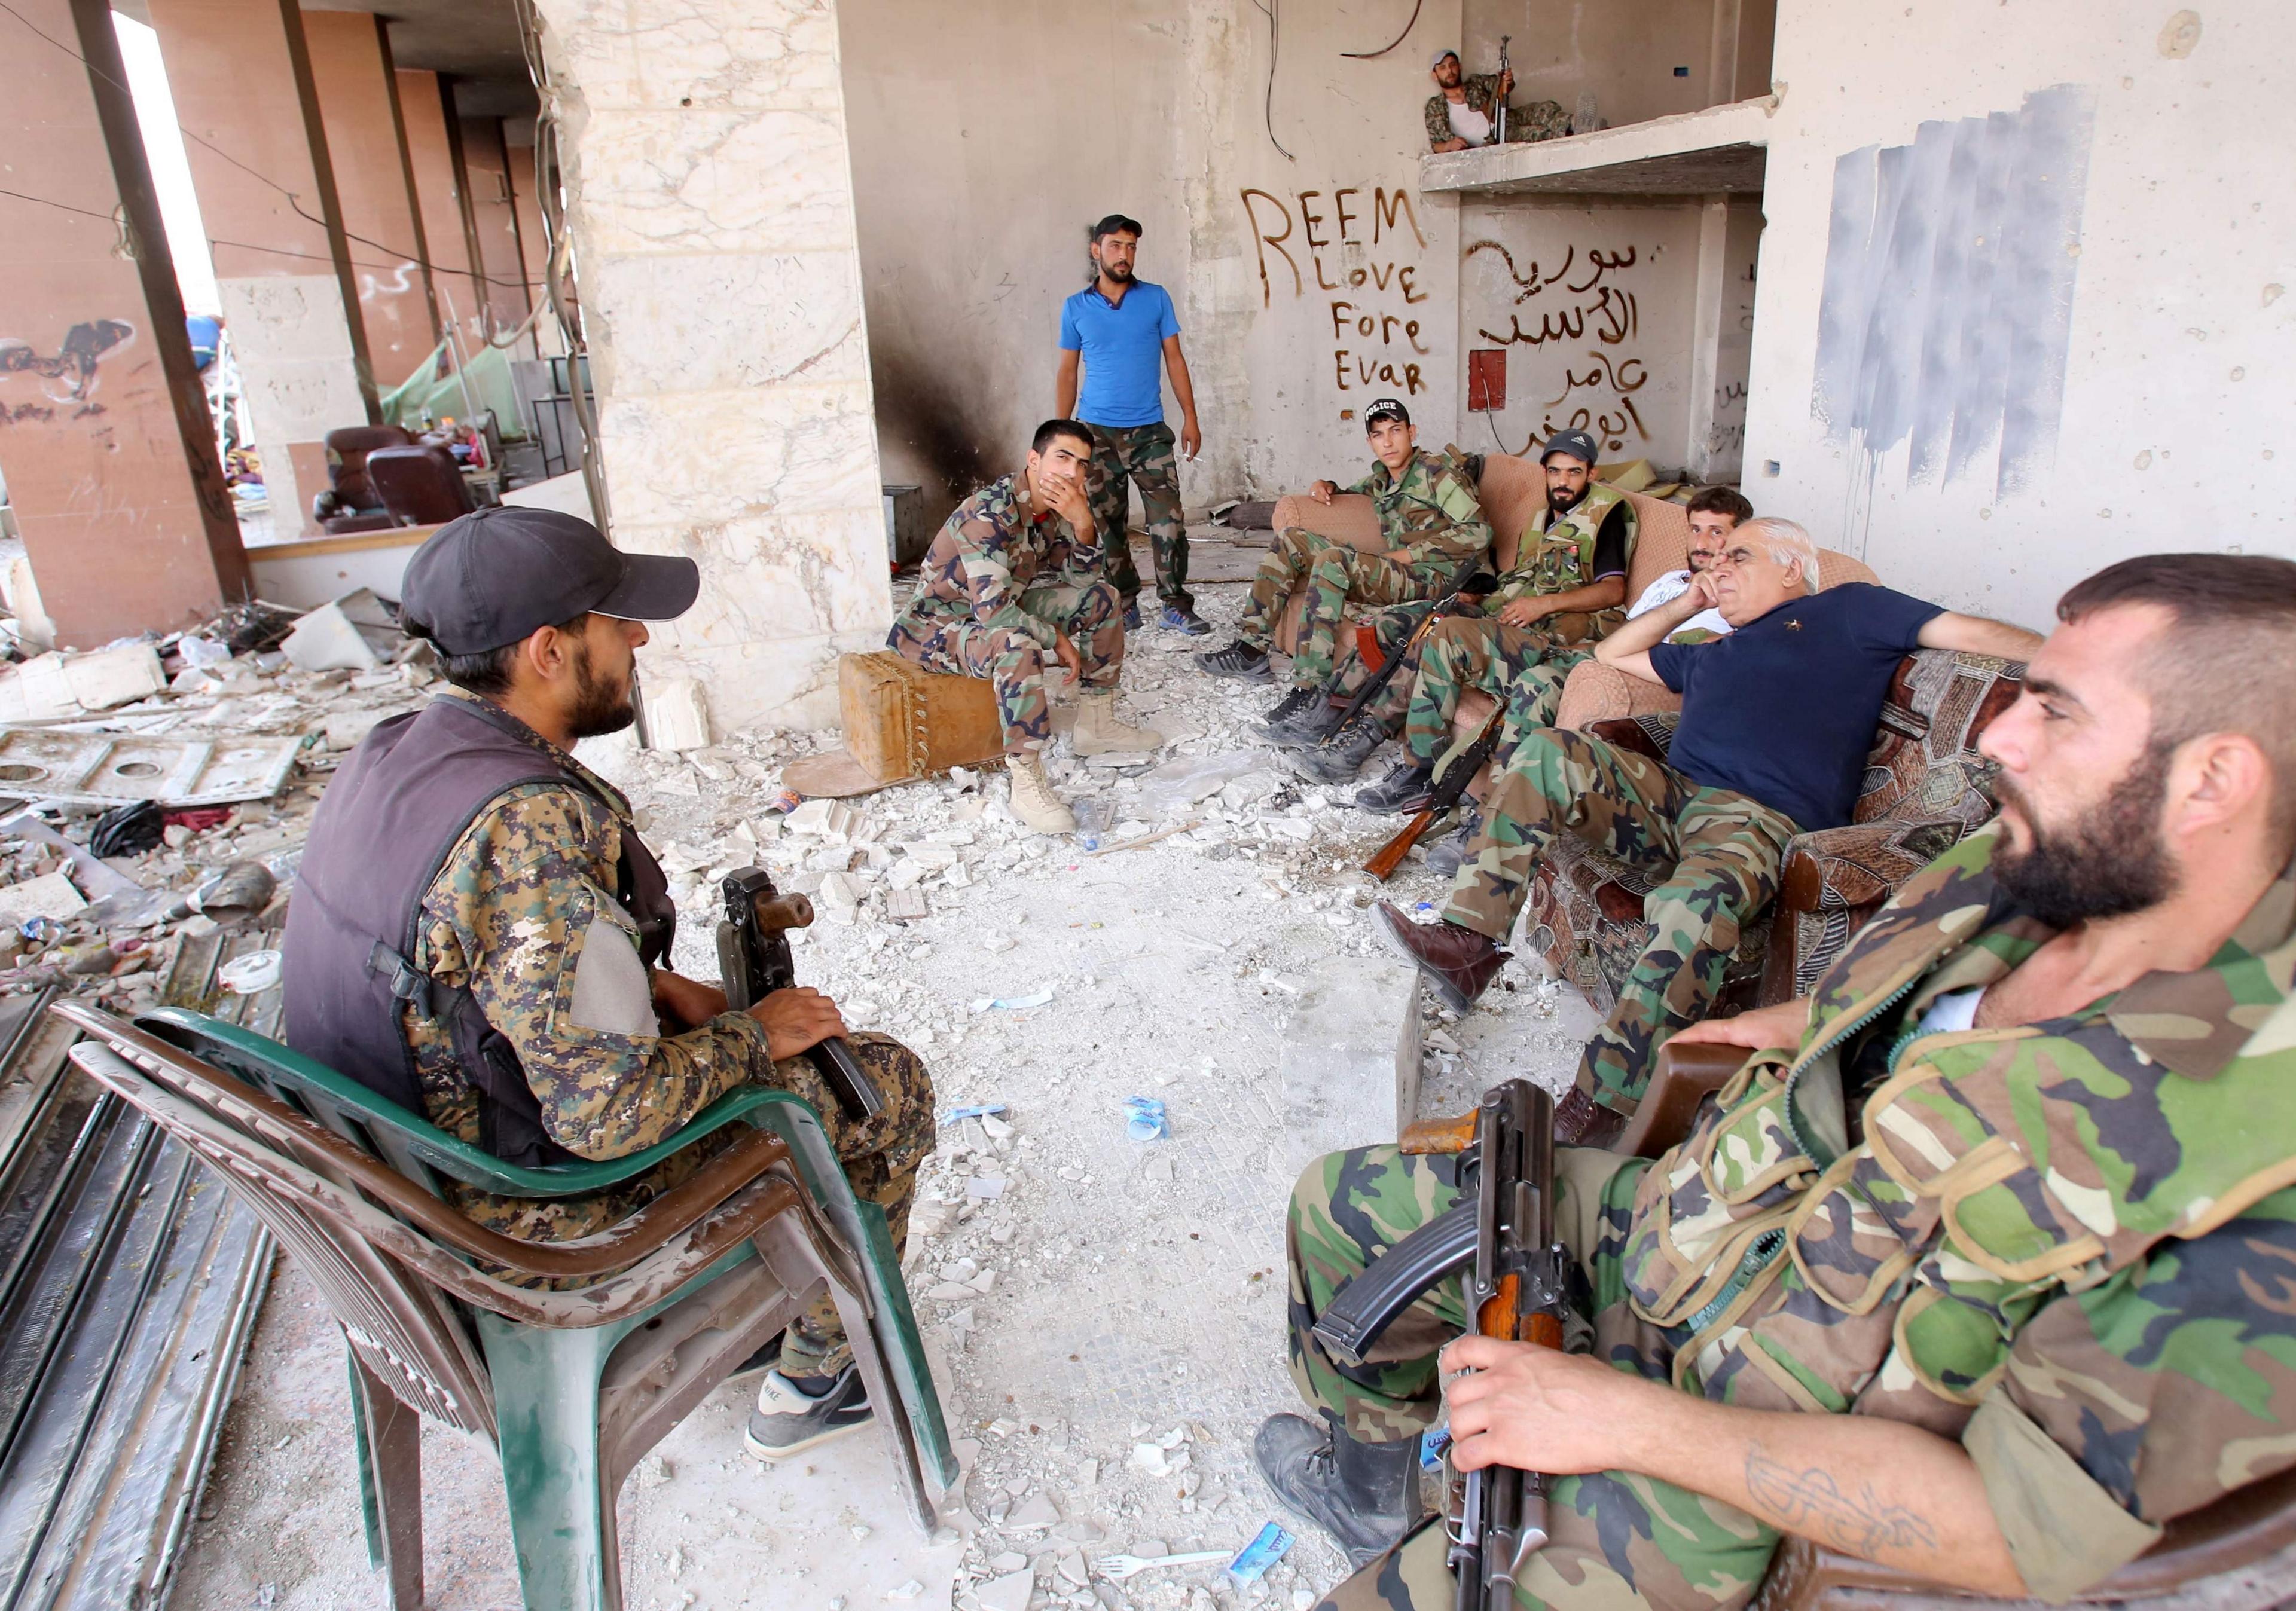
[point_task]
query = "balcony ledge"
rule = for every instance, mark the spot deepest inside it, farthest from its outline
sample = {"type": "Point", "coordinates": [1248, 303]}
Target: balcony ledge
{"type": "Point", "coordinates": [1718, 151]}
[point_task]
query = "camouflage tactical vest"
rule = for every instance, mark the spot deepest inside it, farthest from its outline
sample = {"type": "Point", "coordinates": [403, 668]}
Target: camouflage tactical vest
{"type": "Point", "coordinates": [1993, 1169]}
{"type": "Point", "coordinates": [1561, 557]}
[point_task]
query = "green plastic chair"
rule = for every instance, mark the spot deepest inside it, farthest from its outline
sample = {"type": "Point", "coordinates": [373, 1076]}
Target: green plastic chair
{"type": "Point", "coordinates": [573, 1386]}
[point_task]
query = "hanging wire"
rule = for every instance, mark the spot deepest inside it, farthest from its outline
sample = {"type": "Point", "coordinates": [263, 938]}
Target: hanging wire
{"type": "Point", "coordinates": [1268, 103]}
{"type": "Point", "coordinates": [1373, 55]}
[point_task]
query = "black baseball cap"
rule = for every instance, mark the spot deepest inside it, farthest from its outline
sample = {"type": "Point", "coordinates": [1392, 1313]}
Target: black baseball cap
{"type": "Point", "coordinates": [1577, 444]}
{"type": "Point", "coordinates": [488, 579]}
{"type": "Point", "coordinates": [1385, 408]}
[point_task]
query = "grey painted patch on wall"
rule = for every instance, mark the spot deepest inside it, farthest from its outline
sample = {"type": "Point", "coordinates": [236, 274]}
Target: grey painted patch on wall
{"type": "Point", "coordinates": [1947, 312]}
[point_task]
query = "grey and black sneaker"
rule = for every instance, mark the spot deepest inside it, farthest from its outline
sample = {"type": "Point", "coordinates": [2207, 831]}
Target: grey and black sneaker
{"type": "Point", "coordinates": [1132, 617]}
{"type": "Point", "coordinates": [1180, 618]}
{"type": "Point", "coordinates": [759, 1362]}
{"type": "Point", "coordinates": [1277, 723]}
{"type": "Point", "coordinates": [1338, 757]}
{"type": "Point", "coordinates": [1404, 789]}
{"type": "Point", "coordinates": [790, 1420]}
{"type": "Point", "coordinates": [1448, 854]}
{"type": "Point", "coordinates": [1311, 726]}
{"type": "Point", "coordinates": [1239, 660]}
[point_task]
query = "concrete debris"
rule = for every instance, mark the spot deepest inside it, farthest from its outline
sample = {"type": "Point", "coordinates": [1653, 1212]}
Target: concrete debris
{"type": "Point", "coordinates": [1007, 1593]}
{"type": "Point", "coordinates": [678, 717]}
{"type": "Point", "coordinates": [50, 895]}
{"type": "Point", "coordinates": [353, 633]}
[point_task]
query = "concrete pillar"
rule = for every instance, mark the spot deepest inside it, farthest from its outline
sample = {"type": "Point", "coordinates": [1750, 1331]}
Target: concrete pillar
{"type": "Point", "coordinates": [237, 75]}
{"type": "Point", "coordinates": [431, 159]}
{"type": "Point", "coordinates": [711, 205]}
{"type": "Point", "coordinates": [360, 108]}
{"type": "Point", "coordinates": [105, 441]}
{"type": "Point", "coordinates": [1721, 338]}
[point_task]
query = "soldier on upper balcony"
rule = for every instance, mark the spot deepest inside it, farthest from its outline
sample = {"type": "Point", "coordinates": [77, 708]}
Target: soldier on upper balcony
{"type": "Point", "coordinates": [1464, 111]}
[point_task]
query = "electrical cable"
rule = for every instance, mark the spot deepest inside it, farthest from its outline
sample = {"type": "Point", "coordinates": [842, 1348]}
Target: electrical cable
{"type": "Point", "coordinates": [1373, 55]}
{"type": "Point", "coordinates": [1268, 103]}
{"type": "Point", "coordinates": [294, 201]}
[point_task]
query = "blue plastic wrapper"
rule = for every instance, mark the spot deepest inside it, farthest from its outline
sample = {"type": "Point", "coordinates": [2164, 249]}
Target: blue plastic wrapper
{"type": "Point", "coordinates": [977, 1111]}
{"type": "Point", "coordinates": [1432, 1447]}
{"type": "Point", "coordinates": [1261, 1553]}
{"type": "Point", "coordinates": [1144, 1118]}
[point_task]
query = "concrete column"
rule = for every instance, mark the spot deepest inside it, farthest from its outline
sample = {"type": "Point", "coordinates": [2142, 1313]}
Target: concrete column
{"type": "Point", "coordinates": [233, 69]}
{"type": "Point", "coordinates": [358, 105]}
{"type": "Point", "coordinates": [105, 441]}
{"type": "Point", "coordinates": [711, 206]}
{"type": "Point", "coordinates": [431, 159]}
{"type": "Point", "coordinates": [1721, 338]}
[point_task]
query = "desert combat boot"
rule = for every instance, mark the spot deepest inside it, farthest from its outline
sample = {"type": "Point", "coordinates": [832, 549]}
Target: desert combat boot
{"type": "Point", "coordinates": [1033, 799]}
{"type": "Point", "coordinates": [1099, 733]}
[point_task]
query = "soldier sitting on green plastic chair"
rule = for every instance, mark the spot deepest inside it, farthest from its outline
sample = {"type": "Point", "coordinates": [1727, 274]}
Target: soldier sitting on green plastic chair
{"type": "Point", "coordinates": [479, 933]}
{"type": "Point", "coordinates": [1777, 719]}
{"type": "Point", "coordinates": [1978, 1268]}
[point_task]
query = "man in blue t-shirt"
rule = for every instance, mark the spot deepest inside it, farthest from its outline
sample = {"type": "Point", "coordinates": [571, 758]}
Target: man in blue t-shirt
{"type": "Point", "coordinates": [1776, 722]}
{"type": "Point", "coordinates": [1120, 327]}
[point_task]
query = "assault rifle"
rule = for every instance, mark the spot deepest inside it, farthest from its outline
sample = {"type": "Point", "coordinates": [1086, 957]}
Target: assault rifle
{"type": "Point", "coordinates": [1383, 670]}
{"type": "Point", "coordinates": [1444, 794]}
{"type": "Point", "coordinates": [754, 960]}
{"type": "Point", "coordinates": [1501, 1242]}
{"type": "Point", "coordinates": [1499, 130]}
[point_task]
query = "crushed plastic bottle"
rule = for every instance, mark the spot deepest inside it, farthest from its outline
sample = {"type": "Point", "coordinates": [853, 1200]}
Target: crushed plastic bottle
{"type": "Point", "coordinates": [1144, 1119]}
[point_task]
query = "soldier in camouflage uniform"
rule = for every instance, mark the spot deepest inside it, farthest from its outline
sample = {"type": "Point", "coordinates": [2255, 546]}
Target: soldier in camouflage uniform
{"type": "Point", "coordinates": [1479, 98]}
{"type": "Point", "coordinates": [1564, 593]}
{"type": "Point", "coordinates": [1427, 514]}
{"type": "Point", "coordinates": [2002, 1208]}
{"type": "Point", "coordinates": [1776, 722]}
{"type": "Point", "coordinates": [527, 1007]}
{"type": "Point", "coordinates": [1014, 576]}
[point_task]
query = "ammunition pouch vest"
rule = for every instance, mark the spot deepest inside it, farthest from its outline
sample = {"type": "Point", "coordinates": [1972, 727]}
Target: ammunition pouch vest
{"type": "Point", "coordinates": [393, 815]}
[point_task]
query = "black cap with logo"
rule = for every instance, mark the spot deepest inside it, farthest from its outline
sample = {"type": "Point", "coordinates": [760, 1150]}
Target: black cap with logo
{"type": "Point", "coordinates": [1386, 408]}
{"type": "Point", "coordinates": [1577, 444]}
{"type": "Point", "coordinates": [488, 579]}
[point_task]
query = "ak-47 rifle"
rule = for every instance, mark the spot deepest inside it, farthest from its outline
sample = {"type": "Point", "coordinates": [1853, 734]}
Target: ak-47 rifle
{"type": "Point", "coordinates": [1446, 794]}
{"type": "Point", "coordinates": [754, 960]}
{"type": "Point", "coordinates": [1384, 670]}
{"type": "Point", "coordinates": [1501, 1242]}
{"type": "Point", "coordinates": [1498, 131]}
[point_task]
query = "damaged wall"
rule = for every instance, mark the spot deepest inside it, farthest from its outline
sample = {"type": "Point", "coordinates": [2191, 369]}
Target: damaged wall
{"type": "Point", "coordinates": [2021, 306]}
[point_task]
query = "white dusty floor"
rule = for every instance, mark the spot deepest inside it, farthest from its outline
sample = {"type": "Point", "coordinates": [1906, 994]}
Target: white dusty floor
{"type": "Point", "coordinates": [1107, 1313]}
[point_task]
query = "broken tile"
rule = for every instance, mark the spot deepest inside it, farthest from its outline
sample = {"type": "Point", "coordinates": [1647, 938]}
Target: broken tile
{"type": "Point", "coordinates": [1035, 1511]}
{"type": "Point", "coordinates": [1007, 1593]}
{"type": "Point", "coordinates": [904, 905]}
{"type": "Point", "coordinates": [677, 718]}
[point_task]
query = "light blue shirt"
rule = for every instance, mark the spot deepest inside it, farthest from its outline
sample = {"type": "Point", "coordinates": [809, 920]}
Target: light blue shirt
{"type": "Point", "coordinates": [1123, 349]}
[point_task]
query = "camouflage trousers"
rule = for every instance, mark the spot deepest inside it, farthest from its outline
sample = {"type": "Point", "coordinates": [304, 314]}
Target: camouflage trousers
{"type": "Point", "coordinates": [1619, 1540]}
{"type": "Point", "coordinates": [1335, 576]}
{"type": "Point", "coordinates": [1391, 629]}
{"type": "Point", "coordinates": [1088, 611]}
{"type": "Point", "coordinates": [1485, 657]}
{"type": "Point", "coordinates": [1124, 456]}
{"type": "Point", "coordinates": [1715, 854]}
{"type": "Point", "coordinates": [882, 1156]}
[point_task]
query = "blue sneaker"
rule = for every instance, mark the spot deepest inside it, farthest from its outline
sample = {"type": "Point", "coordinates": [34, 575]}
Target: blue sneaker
{"type": "Point", "coordinates": [1132, 617]}
{"type": "Point", "coordinates": [1177, 618]}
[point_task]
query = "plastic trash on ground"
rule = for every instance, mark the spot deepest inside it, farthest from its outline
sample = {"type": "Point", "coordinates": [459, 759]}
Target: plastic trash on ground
{"type": "Point", "coordinates": [1251, 1562]}
{"type": "Point", "coordinates": [978, 1110]}
{"type": "Point", "coordinates": [248, 974]}
{"type": "Point", "coordinates": [1144, 1119]}
{"type": "Point", "coordinates": [1191, 778]}
{"type": "Point", "coordinates": [1013, 1003]}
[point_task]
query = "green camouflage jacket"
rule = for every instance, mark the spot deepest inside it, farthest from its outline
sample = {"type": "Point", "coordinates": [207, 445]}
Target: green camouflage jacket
{"type": "Point", "coordinates": [2071, 1245]}
{"type": "Point", "coordinates": [993, 548]}
{"type": "Point", "coordinates": [1432, 510]}
{"type": "Point", "coordinates": [523, 915]}
{"type": "Point", "coordinates": [1558, 555]}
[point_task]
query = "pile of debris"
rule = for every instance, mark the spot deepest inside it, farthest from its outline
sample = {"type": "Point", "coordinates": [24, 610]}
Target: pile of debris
{"type": "Point", "coordinates": [161, 787]}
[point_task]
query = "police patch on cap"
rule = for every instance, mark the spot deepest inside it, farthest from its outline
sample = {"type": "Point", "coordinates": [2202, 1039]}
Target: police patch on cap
{"type": "Point", "coordinates": [1385, 408]}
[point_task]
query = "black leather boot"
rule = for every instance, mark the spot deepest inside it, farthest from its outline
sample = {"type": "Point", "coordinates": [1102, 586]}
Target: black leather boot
{"type": "Point", "coordinates": [1365, 1495]}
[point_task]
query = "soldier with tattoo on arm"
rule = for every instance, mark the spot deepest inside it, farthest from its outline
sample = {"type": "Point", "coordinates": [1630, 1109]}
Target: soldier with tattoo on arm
{"type": "Point", "coordinates": [1975, 1268]}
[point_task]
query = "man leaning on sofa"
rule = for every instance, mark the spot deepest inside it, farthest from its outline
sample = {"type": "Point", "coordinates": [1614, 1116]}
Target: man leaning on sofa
{"type": "Point", "coordinates": [1978, 1268]}
{"type": "Point", "coordinates": [1777, 721]}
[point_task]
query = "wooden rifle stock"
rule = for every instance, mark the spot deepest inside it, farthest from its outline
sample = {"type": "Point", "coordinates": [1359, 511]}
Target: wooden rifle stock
{"type": "Point", "coordinates": [1438, 1135]}
{"type": "Point", "coordinates": [1448, 789]}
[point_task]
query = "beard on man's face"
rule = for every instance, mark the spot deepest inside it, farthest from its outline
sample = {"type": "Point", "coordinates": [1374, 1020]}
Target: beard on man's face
{"type": "Point", "coordinates": [600, 707]}
{"type": "Point", "coordinates": [1122, 273]}
{"type": "Point", "coordinates": [1562, 499]}
{"type": "Point", "coordinates": [2106, 863]}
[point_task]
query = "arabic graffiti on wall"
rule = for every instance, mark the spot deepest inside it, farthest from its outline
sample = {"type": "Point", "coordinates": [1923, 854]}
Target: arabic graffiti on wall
{"type": "Point", "coordinates": [1576, 327]}
{"type": "Point", "coordinates": [69, 379]}
{"type": "Point", "coordinates": [1358, 251]}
